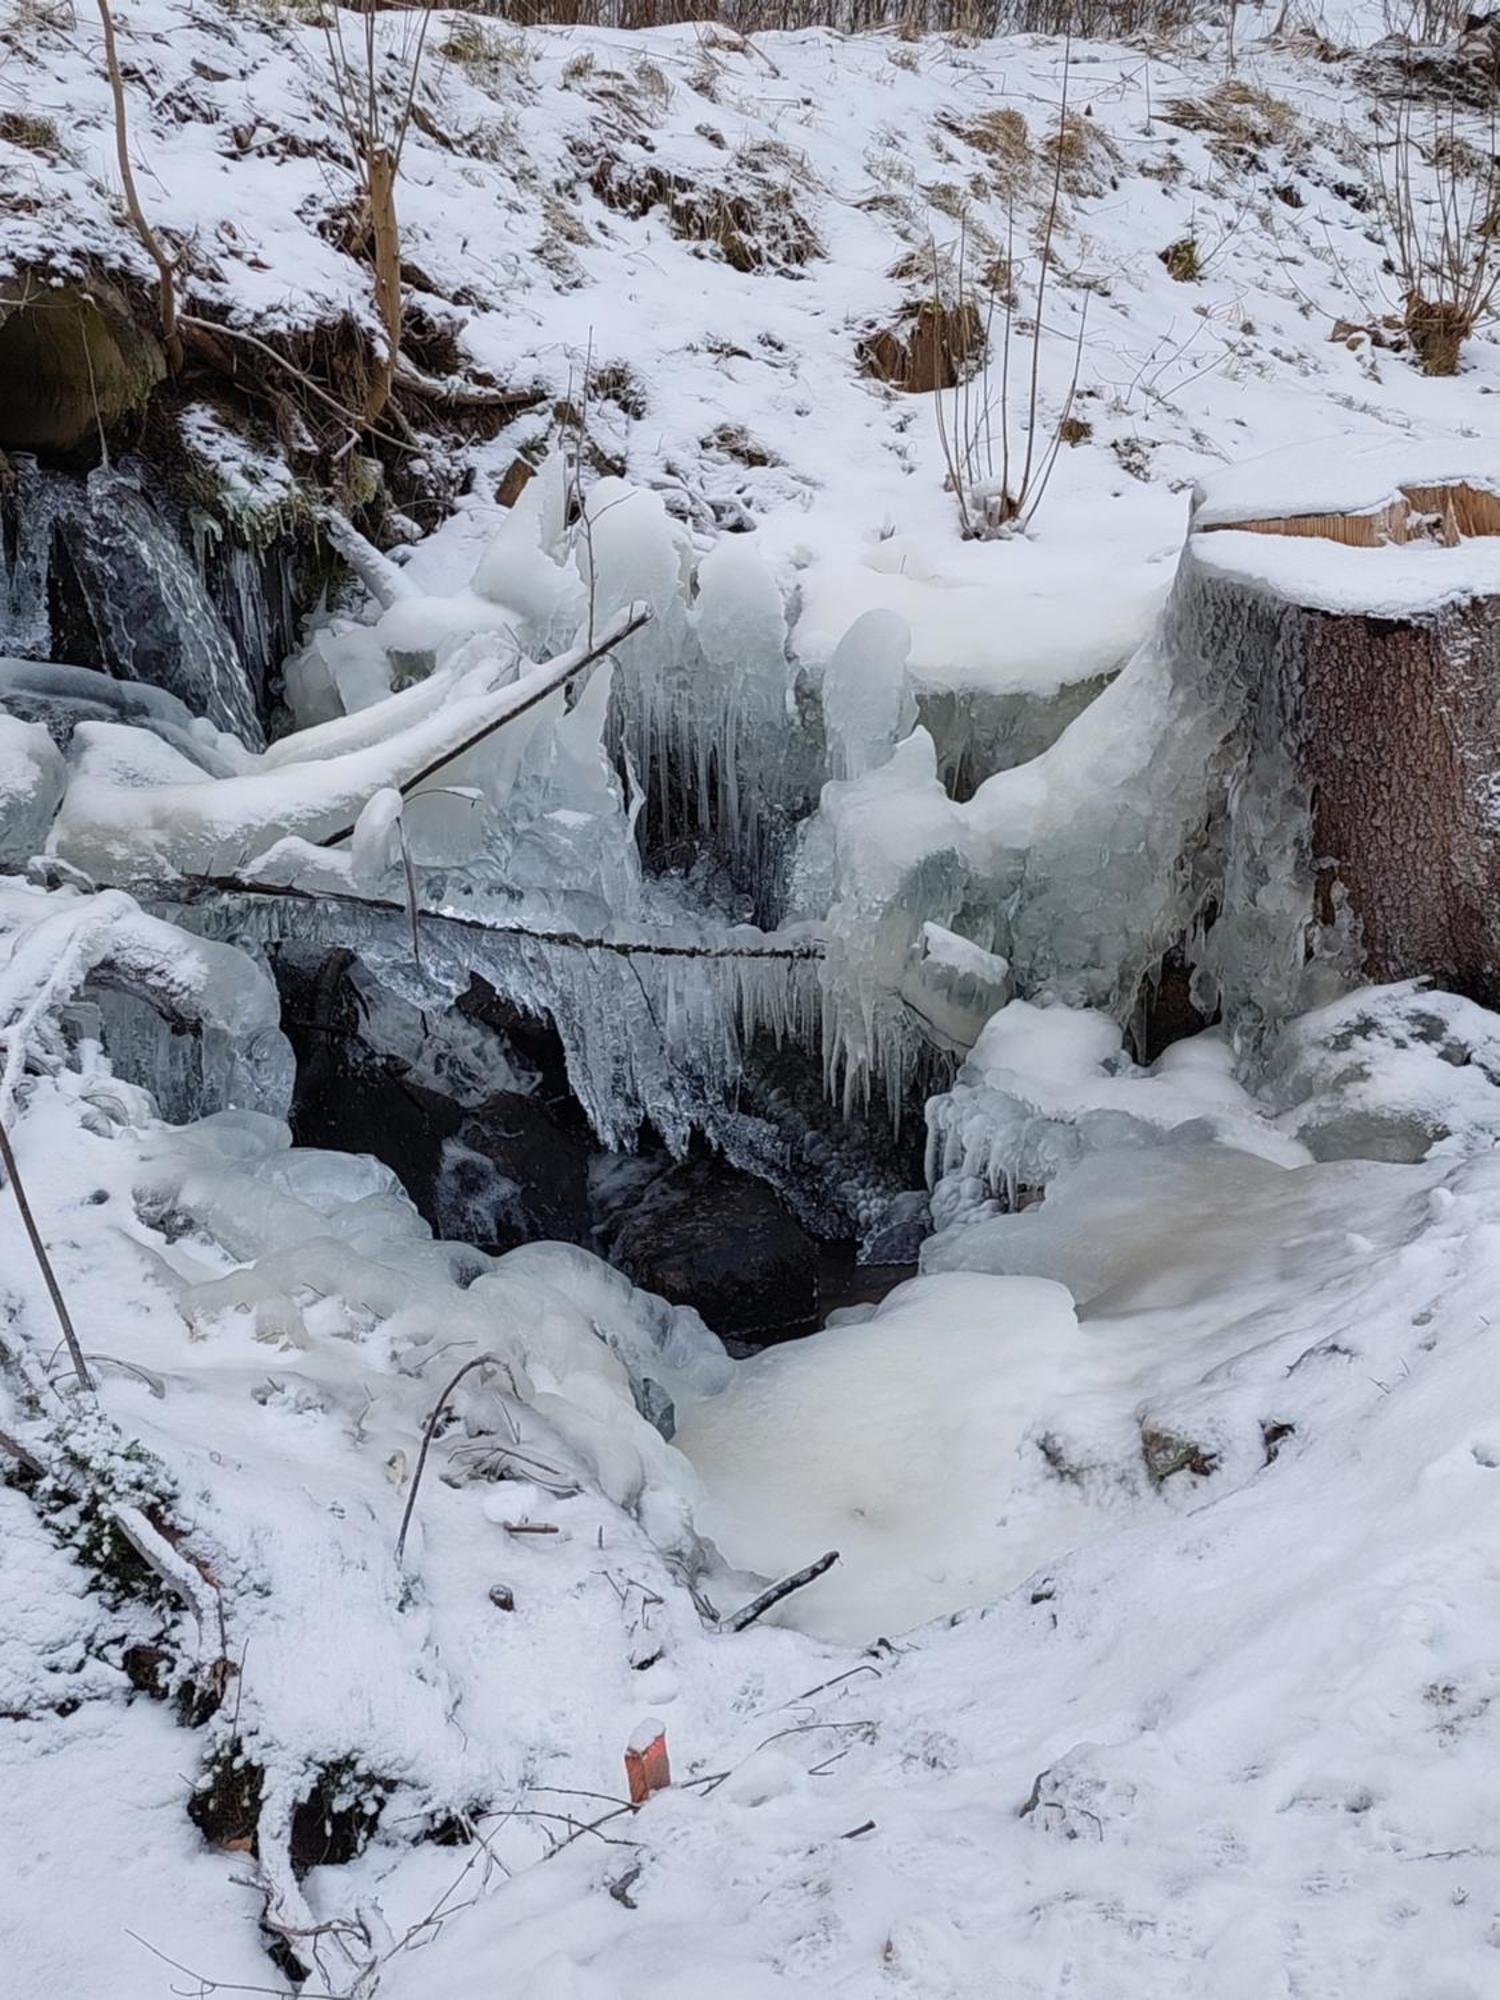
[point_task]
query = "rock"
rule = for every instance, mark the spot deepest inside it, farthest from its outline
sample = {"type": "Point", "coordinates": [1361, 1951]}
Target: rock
{"type": "Point", "coordinates": [700, 1233]}
{"type": "Point", "coordinates": [511, 1169]}
{"type": "Point", "coordinates": [73, 360]}
{"type": "Point", "coordinates": [1166, 1454]}
{"type": "Point", "coordinates": [513, 1173]}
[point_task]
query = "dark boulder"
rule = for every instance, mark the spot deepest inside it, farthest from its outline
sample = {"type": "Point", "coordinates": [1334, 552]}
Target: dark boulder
{"type": "Point", "coordinates": [700, 1233]}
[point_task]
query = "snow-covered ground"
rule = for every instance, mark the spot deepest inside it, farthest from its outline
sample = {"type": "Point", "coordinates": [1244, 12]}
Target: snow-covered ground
{"type": "Point", "coordinates": [1160, 1655]}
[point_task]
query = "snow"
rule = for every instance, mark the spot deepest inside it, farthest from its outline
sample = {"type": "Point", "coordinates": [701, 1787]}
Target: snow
{"type": "Point", "coordinates": [894, 1441]}
{"type": "Point", "coordinates": [1055, 628]}
{"type": "Point", "coordinates": [1159, 1657]}
{"type": "Point", "coordinates": [1341, 475]}
{"type": "Point", "coordinates": [1413, 580]}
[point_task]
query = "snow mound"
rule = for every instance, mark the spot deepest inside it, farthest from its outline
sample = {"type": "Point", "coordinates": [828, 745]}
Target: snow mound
{"type": "Point", "coordinates": [896, 1441]}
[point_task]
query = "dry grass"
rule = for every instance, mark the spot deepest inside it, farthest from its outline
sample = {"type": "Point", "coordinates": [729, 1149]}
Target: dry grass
{"type": "Point", "coordinates": [1005, 141]}
{"type": "Point", "coordinates": [1102, 19]}
{"type": "Point", "coordinates": [485, 50]}
{"type": "Point", "coordinates": [751, 220]}
{"type": "Point", "coordinates": [1081, 156]}
{"type": "Point", "coordinates": [935, 345]}
{"type": "Point", "coordinates": [31, 133]}
{"type": "Point", "coordinates": [1240, 119]}
{"type": "Point", "coordinates": [1182, 260]}
{"type": "Point", "coordinates": [1439, 199]}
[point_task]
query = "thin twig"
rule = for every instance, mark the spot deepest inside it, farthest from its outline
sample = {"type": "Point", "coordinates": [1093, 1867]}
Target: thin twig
{"type": "Point", "coordinates": [150, 241]}
{"type": "Point", "coordinates": [479, 1361]}
{"type": "Point", "coordinates": [556, 674]}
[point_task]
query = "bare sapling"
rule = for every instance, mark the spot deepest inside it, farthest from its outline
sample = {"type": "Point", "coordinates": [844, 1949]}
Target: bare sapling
{"type": "Point", "coordinates": [998, 451]}
{"type": "Point", "coordinates": [1439, 196]}
{"type": "Point", "coordinates": [376, 119]}
{"type": "Point", "coordinates": [151, 243]}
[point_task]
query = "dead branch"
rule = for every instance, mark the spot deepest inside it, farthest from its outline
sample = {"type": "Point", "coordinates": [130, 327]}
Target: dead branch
{"type": "Point", "coordinates": [557, 673]}
{"type": "Point", "coordinates": [185, 1580]}
{"type": "Point", "coordinates": [385, 582]}
{"type": "Point", "coordinates": [150, 242]}
{"type": "Point", "coordinates": [456, 394]}
{"type": "Point", "coordinates": [28, 1461]}
{"type": "Point", "coordinates": [769, 1599]}
{"type": "Point", "coordinates": [44, 1261]}
{"type": "Point", "coordinates": [479, 1361]}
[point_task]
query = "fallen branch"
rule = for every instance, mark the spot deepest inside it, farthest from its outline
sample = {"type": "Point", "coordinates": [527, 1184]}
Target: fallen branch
{"type": "Point", "coordinates": [557, 673]}
{"type": "Point", "coordinates": [192, 1588]}
{"type": "Point", "coordinates": [386, 583]}
{"type": "Point", "coordinates": [28, 1461]}
{"type": "Point", "coordinates": [191, 889]}
{"type": "Point", "coordinates": [454, 393]}
{"type": "Point", "coordinates": [769, 1599]}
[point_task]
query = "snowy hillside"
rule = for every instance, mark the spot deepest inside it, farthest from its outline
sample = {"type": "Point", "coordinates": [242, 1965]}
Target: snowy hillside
{"type": "Point", "coordinates": [820, 652]}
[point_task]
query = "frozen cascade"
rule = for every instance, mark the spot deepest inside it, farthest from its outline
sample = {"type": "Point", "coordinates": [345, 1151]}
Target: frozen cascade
{"type": "Point", "coordinates": [702, 697]}
{"type": "Point", "coordinates": [1169, 813]}
{"type": "Point", "coordinates": [141, 604]}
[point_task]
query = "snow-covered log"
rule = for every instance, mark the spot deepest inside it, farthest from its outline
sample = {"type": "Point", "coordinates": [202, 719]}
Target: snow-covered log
{"type": "Point", "coordinates": [1357, 598]}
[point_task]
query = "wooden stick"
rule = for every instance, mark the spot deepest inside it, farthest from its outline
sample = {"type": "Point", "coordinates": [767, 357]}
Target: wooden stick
{"type": "Point", "coordinates": [768, 1599]}
{"type": "Point", "coordinates": [557, 673]}
{"type": "Point", "coordinates": [39, 1251]}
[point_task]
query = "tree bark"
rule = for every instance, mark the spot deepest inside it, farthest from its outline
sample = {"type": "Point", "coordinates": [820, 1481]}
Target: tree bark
{"type": "Point", "coordinates": [1373, 735]}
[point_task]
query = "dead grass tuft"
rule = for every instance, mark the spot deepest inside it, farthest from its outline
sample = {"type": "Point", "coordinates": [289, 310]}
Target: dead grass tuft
{"type": "Point", "coordinates": [33, 134]}
{"type": "Point", "coordinates": [1240, 119]}
{"type": "Point", "coordinates": [1182, 260]}
{"type": "Point", "coordinates": [734, 441]}
{"type": "Point", "coordinates": [933, 345]}
{"type": "Point", "coordinates": [753, 224]}
{"type": "Point", "coordinates": [1084, 157]}
{"type": "Point", "coordinates": [1004, 139]}
{"type": "Point", "coordinates": [476, 45]}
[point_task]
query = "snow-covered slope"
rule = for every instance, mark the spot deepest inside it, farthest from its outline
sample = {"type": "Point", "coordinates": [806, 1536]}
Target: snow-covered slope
{"type": "Point", "coordinates": [692, 235]}
{"type": "Point", "coordinates": [1160, 1657]}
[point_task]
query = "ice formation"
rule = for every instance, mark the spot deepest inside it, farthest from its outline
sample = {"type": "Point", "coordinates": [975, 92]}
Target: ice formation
{"type": "Point", "coordinates": [1044, 1087]}
{"type": "Point", "coordinates": [137, 585]}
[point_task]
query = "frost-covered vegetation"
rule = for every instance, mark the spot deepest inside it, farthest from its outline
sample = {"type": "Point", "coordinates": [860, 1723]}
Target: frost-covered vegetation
{"type": "Point", "coordinates": [636, 655]}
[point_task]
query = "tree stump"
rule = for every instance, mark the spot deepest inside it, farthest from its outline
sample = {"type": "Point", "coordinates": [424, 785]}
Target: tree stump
{"type": "Point", "coordinates": [1366, 630]}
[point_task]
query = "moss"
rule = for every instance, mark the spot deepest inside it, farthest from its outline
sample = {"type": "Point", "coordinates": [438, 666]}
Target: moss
{"type": "Point", "coordinates": [1166, 1453]}
{"type": "Point", "coordinates": [74, 361]}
